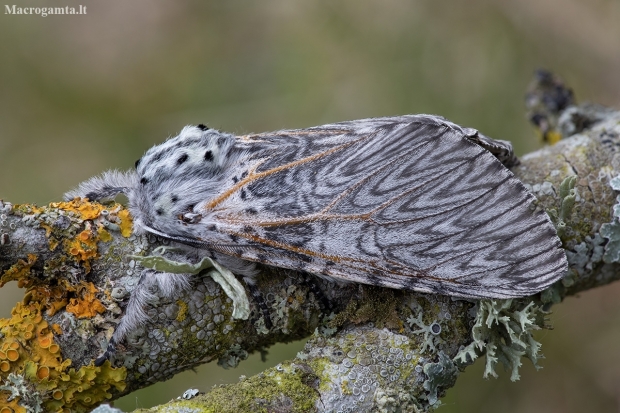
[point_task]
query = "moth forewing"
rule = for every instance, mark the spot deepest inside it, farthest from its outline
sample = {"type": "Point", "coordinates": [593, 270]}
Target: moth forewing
{"type": "Point", "coordinates": [409, 202]}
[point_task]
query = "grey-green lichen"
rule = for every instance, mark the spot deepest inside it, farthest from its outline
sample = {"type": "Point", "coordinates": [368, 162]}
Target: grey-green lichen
{"type": "Point", "coordinates": [504, 329]}
{"type": "Point", "coordinates": [232, 357]}
{"type": "Point", "coordinates": [430, 333]}
{"type": "Point", "coordinates": [18, 387]}
{"type": "Point", "coordinates": [106, 408]}
{"type": "Point", "coordinates": [440, 374]}
{"type": "Point", "coordinates": [567, 196]}
{"type": "Point", "coordinates": [611, 230]}
{"type": "Point", "coordinates": [361, 366]}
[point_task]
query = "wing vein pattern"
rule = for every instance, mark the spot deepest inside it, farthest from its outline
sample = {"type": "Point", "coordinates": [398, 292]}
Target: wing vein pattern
{"type": "Point", "coordinates": [404, 202]}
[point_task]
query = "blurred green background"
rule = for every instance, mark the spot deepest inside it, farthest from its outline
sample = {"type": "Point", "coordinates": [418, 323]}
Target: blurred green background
{"type": "Point", "coordinates": [81, 94]}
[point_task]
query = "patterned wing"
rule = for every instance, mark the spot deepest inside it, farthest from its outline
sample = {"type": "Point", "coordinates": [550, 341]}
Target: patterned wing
{"type": "Point", "coordinates": [407, 202]}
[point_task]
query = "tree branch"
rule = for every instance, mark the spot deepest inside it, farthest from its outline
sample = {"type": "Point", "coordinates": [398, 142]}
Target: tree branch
{"type": "Point", "coordinates": [372, 349]}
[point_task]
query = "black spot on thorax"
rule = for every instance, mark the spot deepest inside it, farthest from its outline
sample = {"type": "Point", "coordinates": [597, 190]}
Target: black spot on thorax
{"type": "Point", "coordinates": [209, 156]}
{"type": "Point", "coordinates": [182, 159]}
{"type": "Point", "coordinates": [157, 156]}
{"type": "Point", "coordinates": [203, 127]}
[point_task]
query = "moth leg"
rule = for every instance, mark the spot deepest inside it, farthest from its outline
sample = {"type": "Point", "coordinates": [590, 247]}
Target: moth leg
{"type": "Point", "coordinates": [502, 150]}
{"type": "Point", "coordinates": [225, 266]}
{"type": "Point", "coordinates": [143, 296]}
{"type": "Point", "coordinates": [221, 275]}
{"type": "Point", "coordinates": [104, 187]}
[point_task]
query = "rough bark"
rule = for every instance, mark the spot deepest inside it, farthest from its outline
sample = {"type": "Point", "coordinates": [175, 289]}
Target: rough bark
{"type": "Point", "coordinates": [371, 349]}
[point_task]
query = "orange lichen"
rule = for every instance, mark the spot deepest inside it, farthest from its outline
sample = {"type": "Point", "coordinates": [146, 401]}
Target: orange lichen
{"type": "Point", "coordinates": [82, 249]}
{"type": "Point", "coordinates": [28, 209]}
{"type": "Point", "coordinates": [45, 342]}
{"type": "Point", "coordinates": [19, 271]}
{"type": "Point", "coordinates": [56, 306]}
{"type": "Point", "coordinates": [53, 243]}
{"type": "Point", "coordinates": [27, 343]}
{"type": "Point", "coordinates": [84, 235]}
{"type": "Point", "coordinates": [182, 310]}
{"type": "Point", "coordinates": [103, 234]}
{"type": "Point", "coordinates": [43, 372]}
{"type": "Point", "coordinates": [53, 299]}
{"type": "Point", "coordinates": [84, 209]}
{"type": "Point", "coordinates": [48, 229]}
{"type": "Point", "coordinates": [40, 362]}
{"type": "Point", "coordinates": [56, 329]}
{"type": "Point", "coordinates": [12, 355]}
{"type": "Point", "coordinates": [126, 223]}
{"type": "Point", "coordinates": [87, 305]}
{"type": "Point", "coordinates": [56, 298]}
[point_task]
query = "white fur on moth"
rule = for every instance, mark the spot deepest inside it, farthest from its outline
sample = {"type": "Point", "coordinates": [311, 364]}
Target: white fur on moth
{"type": "Point", "coordinates": [409, 202]}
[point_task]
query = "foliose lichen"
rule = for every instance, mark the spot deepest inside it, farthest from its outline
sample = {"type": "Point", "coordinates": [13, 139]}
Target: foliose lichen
{"type": "Point", "coordinates": [567, 196]}
{"type": "Point", "coordinates": [21, 392]}
{"type": "Point", "coordinates": [106, 408]}
{"type": "Point", "coordinates": [503, 328]}
{"type": "Point", "coordinates": [611, 230]}
{"type": "Point", "coordinates": [430, 333]}
{"type": "Point", "coordinates": [443, 373]}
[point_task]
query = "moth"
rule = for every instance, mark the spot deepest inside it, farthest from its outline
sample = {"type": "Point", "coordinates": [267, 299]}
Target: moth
{"type": "Point", "coordinates": [408, 202]}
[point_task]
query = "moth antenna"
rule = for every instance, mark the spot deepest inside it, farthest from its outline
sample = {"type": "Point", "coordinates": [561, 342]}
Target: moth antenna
{"type": "Point", "coordinates": [105, 186]}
